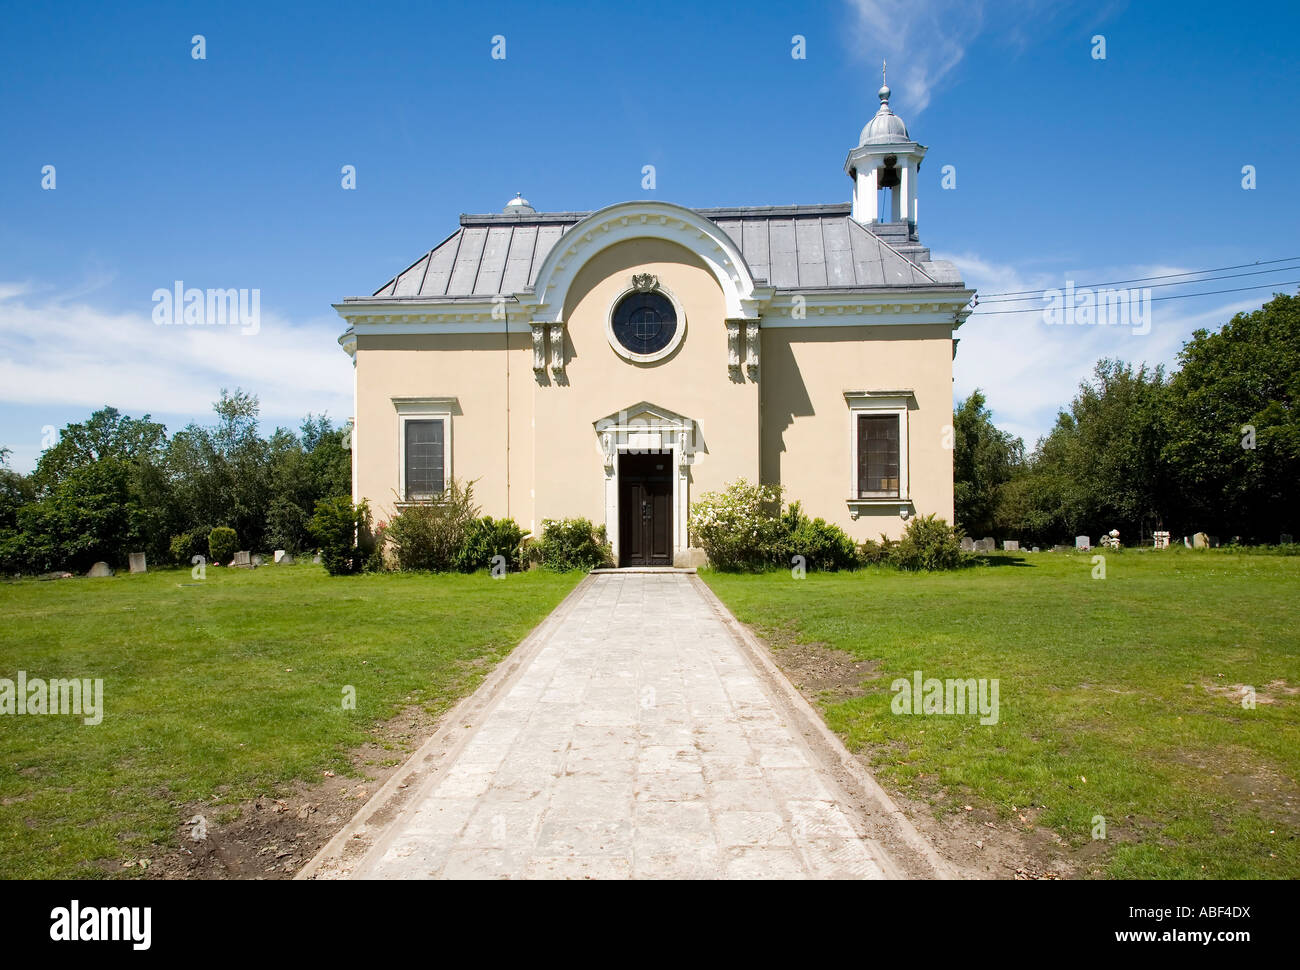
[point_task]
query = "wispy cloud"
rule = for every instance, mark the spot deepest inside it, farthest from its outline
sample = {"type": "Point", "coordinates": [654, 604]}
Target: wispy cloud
{"type": "Point", "coordinates": [1029, 371]}
{"type": "Point", "coordinates": [71, 353]}
{"type": "Point", "coordinates": [923, 40]}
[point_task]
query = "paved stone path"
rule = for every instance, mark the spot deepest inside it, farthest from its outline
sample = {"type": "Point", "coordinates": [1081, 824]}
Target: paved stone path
{"type": "Point", "coordinates": [640, 740]}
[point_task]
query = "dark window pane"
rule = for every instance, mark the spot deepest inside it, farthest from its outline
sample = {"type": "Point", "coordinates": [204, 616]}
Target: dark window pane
{"type": "Point", "coordinates": [878, 456]}
{"type": "Point", "coordinates": [424, 459]}
{"type": "Point", "coordinates": [645, 323]}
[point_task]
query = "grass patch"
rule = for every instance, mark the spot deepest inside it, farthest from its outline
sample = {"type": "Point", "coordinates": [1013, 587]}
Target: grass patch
{"type": "Point", "coordinates": [1116, 695]}
{"type": "Point", "coordinates": [225, 689]}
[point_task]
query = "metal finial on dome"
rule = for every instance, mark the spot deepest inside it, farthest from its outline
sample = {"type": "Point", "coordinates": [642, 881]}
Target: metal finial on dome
{"type": "Point", "coordinates": [886, 127]}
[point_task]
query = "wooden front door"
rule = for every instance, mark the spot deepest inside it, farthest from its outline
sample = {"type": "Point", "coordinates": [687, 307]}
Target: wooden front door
{"type": "Point", "coordinates": [645, 510]}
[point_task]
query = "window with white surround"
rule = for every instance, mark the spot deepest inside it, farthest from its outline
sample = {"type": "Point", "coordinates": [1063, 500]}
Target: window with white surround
{"type": "Point", "coordinates": [878, 446]}
{"type": "Point", "coordinates": [424, 446]}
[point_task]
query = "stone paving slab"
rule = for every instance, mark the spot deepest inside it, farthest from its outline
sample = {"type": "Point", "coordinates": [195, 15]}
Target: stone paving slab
{"type": "Point", "coordinates": [639, 741]}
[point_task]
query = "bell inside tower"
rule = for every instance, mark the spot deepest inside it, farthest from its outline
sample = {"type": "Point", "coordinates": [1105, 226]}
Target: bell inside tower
{"type": "Point", "coordinates": [888, 184]}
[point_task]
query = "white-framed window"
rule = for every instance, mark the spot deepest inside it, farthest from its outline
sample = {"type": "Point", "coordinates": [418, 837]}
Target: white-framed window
{"type": "Point", "coordinates": [423, 446]}
{"type": "Point", "coordinates": [878, 446]}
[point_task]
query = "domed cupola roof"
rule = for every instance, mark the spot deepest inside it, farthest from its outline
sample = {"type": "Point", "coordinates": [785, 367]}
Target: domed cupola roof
{"type": "Point", "coordinates": [518, 205]}
{"type": "Point", "coordinates": [886, 127]}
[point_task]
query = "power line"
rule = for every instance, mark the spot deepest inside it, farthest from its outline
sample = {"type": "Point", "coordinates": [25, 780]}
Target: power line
{"type": "Point", "coordinates": [1167, 276]}
{"type": "Point", "coordinates": [1161, 299]}
{"type": "Point", "coordinates": [1153, 286]}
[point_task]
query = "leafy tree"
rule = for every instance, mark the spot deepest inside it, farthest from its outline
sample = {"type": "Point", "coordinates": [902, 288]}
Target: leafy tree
{"type": "Point", "coordinates": [1099, 468]}
{"type": "Point", "coordinates": [984, 460]}
{"type": "Point", "coordinates": [222, 473]}
{"type": "Point", "coordinates": [105, 434]}
{"type": "Point", "coordinates": [341, 529]}
{"type": "Point", "coordinates": [141, 445]}
{"type": "Point", "coordinates": [1245, 376]}
{"type": "Point", "coordinates": [83, 519]}
{"type": "Point", "coordinates": [16, 491]}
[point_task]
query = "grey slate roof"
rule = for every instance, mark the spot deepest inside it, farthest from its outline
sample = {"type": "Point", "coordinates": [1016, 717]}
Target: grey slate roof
{"type": "Point", "coordinates": [803, 247]}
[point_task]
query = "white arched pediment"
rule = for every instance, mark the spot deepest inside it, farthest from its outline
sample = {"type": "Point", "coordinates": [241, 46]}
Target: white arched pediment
{"type": "Point", "coordinates": [641, 220]}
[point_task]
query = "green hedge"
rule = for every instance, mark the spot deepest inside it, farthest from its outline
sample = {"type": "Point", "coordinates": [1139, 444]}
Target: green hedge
{"type": "Point", "coordinates": [571, 544]}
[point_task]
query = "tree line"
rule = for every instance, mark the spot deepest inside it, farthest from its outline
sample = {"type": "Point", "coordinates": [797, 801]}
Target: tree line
{"type": "Point", "coordinates": [114, 484]}
{"type": "Point", "coordinates": [1213, 447]}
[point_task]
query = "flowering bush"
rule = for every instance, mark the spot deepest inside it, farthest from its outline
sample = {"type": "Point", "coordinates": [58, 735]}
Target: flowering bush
{"type": "Point", "coordinates": [744, 528]}
{"type": "Point", "coordinates": [740, 528]}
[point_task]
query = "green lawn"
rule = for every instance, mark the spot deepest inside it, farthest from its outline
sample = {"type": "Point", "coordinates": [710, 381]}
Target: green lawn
{"type": "Point", "coordinates": [1104, 706]}
{"type": "Point", "coordinates": [225, 688]}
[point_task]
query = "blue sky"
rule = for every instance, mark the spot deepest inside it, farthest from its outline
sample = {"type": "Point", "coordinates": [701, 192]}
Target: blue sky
{"type": "Point", "coordinates": [225, 172]}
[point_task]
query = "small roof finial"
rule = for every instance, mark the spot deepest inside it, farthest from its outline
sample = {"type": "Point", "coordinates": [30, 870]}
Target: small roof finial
{"type": "Point", "coordinates": [883, 93]}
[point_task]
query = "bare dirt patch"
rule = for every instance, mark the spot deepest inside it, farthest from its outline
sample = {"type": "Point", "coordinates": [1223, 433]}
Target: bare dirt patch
{"type": "Point", "coordinates": [272, 837]}
{"type": "Point", "coordinates": [1250, 781]}
{"type": "Point", "coordinates": [820, 672]}
{"type": "Point", "coordinates": [1270, 693]}
{"type": "Point", "coordinates": [972, 839]}
{"type": "Point", "coordinates": [980, 845]}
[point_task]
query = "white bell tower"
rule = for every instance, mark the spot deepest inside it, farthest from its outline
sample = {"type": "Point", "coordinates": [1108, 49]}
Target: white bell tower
{"type": "Point", "coordinates": [884, 168]}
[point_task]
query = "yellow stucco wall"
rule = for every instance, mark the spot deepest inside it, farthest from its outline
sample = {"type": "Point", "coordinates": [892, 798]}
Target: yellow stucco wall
{"type": "Point", "coordinates": [693, 381]}
{"type": "Point", "coordinates": [807, 432]}
{"type": "Point", "coordinates": [555, 466]}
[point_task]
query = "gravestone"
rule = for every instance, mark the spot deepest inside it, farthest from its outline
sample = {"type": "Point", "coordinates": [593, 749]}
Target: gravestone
{"type": "Point", "coordinates": [137, 562]}
{"type": "Point", "coordinates": [1082, 542]}
{"type": "Point", "coordinates": [316, 559]}
{"type": "Point", "coordinates": [1161, 540]}
{"type": "Point", "coordinates": [1200, 541]}
{"type": "Point", "coordinates": [242, 559]}
{"type": "Point", "coordinates": [1035, 549]}
{"type": "Point", "coordinates": [1062, 548]}
{"type": "Point", "coordinates": [1011, 545]}
{"type": "Point", "coordinates": [967, 544]}
{"type": "Point", "coordinates": [258, 560]}
{"type": "Point", "coordinates": [282, 558]}
{"type": "Point", "coordinates": [100, 569]}
{"type": "Point", "coordinates": [984, 545]}
{"type": "Point", "coordinates": [279, 554]}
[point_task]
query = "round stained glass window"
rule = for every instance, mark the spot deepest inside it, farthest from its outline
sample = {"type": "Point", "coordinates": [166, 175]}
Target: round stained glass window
{"type": "Point", "coordinates": [645, 323]}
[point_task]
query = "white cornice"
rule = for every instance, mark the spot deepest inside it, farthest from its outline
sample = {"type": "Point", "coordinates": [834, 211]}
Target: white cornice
{"type": "Point", "coordinates": [920, 307]}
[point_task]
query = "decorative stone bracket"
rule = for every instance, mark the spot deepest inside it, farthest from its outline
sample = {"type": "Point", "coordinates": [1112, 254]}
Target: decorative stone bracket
{"type": "Point", "coordinates": [557, 349]}
{"type": "Point", "coordinates": [733, 347]}
{"type": "Point", "coordinates": [685, 452]}
{"type": "Point", "coordinates": [540, 328]}
{"type": "Point", "coordinates": [539, 348]}
{"type": "Point", "coordinates": [746, 330]}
